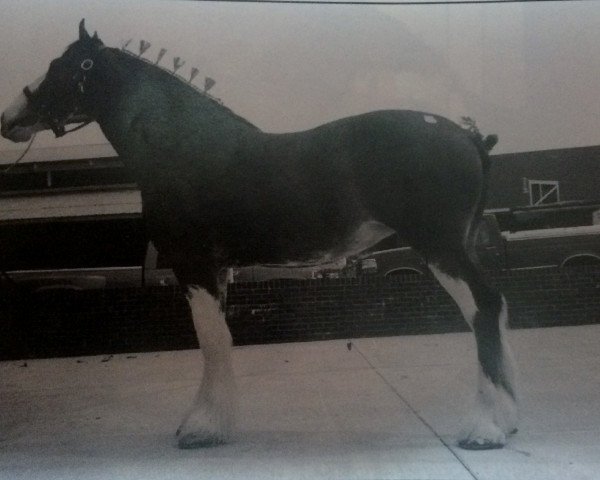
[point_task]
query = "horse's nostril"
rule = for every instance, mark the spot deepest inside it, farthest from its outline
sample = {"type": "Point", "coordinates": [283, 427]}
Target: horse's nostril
{"type": "Point", "coordinates": [5, 125]}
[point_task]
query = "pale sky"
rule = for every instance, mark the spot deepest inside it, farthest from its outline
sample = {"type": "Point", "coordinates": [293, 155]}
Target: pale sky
{"type": "Point", "coordinates": [527, 72]}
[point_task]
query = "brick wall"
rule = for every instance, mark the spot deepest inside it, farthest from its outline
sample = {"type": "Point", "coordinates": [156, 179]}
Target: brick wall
{"type": "Point", "coordinates": [60, 323]}
{"type": "Point", "coordinates": [289, 310]}
{"type": "Point", "coordinates": [74, 323]}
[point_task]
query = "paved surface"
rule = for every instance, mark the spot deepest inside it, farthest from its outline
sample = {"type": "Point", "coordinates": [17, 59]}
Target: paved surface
{"type": "Point", "coordinates": [386, 408]}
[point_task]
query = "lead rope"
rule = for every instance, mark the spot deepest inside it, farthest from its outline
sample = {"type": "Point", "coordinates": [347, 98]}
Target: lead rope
{"type": "Point", "coordinates": [9, 168]}
{"type": "Point", "coordinates": [3, 273]}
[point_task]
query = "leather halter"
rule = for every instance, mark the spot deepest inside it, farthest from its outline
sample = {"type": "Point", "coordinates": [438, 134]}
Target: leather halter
{"type": "Point", "coordinates": [55, 124]}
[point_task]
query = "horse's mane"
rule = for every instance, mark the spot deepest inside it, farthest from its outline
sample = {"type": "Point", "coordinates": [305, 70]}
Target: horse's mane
{"type": "Point", "coordinates": [163, 75]}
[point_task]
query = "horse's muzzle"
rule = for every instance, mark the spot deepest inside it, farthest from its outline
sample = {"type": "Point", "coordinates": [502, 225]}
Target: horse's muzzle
{"type": "Point", "coordinates": [3, 126]}
{"type": "Point", "coordinates": [20, 131]}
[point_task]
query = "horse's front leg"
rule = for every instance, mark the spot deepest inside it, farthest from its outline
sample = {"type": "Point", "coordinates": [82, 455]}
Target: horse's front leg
{"type": "Point", "coordinates": [210, 420]}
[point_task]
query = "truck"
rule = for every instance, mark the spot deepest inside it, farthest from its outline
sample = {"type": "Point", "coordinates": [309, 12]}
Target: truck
{"type": "Point", "coordinates": [152, 273]}
{"type": "Point", "coordinates": [499, 250]}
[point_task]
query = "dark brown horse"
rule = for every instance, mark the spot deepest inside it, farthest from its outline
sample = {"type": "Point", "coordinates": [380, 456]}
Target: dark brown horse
{"type": "Point", "coordinates": [219, 192]}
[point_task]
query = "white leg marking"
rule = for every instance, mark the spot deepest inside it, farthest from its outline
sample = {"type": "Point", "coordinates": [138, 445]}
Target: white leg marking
{"type": "Point", "coordinates": [481, 429]}
{"type": "Point", "coordinates": [211, 418]}
{"type": "Point", "coordinates": [495, 412]}
{"type": "Point", "coordinates": [459, 291]}
{"type": "Point", "coordinates": [507, 411]}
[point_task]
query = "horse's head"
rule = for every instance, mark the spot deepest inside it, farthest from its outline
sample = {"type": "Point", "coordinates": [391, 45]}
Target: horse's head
{"type": "Point", "coordinates": [57, 98]}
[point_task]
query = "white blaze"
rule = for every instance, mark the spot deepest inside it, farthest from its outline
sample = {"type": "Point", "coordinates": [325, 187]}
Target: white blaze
{"type": "Point", "coordinates": [16, 110]}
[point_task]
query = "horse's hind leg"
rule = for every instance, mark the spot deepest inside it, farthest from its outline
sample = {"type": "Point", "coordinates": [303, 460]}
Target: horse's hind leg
{"type": "Point", "coordinates": [210, 420]}
{"type": "Point", "coordinates": [495, 411]}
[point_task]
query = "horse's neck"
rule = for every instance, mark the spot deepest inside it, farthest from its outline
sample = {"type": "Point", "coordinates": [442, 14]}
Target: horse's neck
{"type": "Point", "coordinates": [144, 109]}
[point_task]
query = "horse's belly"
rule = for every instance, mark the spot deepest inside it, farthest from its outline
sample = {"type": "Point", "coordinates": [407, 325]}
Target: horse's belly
{"type": "Point", "coordinates": [366, 235]}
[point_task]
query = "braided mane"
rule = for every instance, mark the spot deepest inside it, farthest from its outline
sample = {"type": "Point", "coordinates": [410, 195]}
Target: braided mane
{"type": "Point", "coordinates": [183, 82]}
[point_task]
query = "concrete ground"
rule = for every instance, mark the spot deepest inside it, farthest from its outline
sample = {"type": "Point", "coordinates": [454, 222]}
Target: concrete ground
{"type": "Point", "coordinates": [385, 408]}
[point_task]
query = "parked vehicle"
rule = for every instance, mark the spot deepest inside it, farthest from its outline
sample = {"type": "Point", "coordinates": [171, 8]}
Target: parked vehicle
{"type": "Point", "coordinates": [544, 248]}
{"type": "Point", "coordinates": [552, 247]}
{"type": "Point", "coordinates": [151, 273]}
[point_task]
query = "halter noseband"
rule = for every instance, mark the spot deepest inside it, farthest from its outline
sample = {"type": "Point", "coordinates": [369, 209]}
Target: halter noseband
{"type": "Point", "coordinates": [58, 125]}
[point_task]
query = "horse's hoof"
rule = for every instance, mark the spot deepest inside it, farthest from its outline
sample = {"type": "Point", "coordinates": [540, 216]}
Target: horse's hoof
{"type": "Point", "coordinates": [195, 440]}
{"type": "Point", "coordinates": [468, 444]}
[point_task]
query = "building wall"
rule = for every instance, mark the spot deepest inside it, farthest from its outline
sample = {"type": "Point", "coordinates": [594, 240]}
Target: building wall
{"type": "Point", "coordinates": [577, 170]}
{"type": "Point", "coordinates": [101, 186]}
{"type": "Point", "coordinates": [77, 323]}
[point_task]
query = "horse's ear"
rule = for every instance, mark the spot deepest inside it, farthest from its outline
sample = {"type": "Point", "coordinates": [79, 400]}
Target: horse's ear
{"type": "Point", "coordinates": [83, 34]}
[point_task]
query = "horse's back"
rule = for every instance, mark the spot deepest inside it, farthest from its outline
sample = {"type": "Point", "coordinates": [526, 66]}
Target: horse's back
{"type": "Point", "coordinates": [400, 141]}
{"type": "Point", "coordinates": [404, 168]}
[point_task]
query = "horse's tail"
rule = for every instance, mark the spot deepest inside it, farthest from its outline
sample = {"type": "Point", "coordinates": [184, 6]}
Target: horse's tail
{"type": "Point", "coordinates": [484, 145]}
